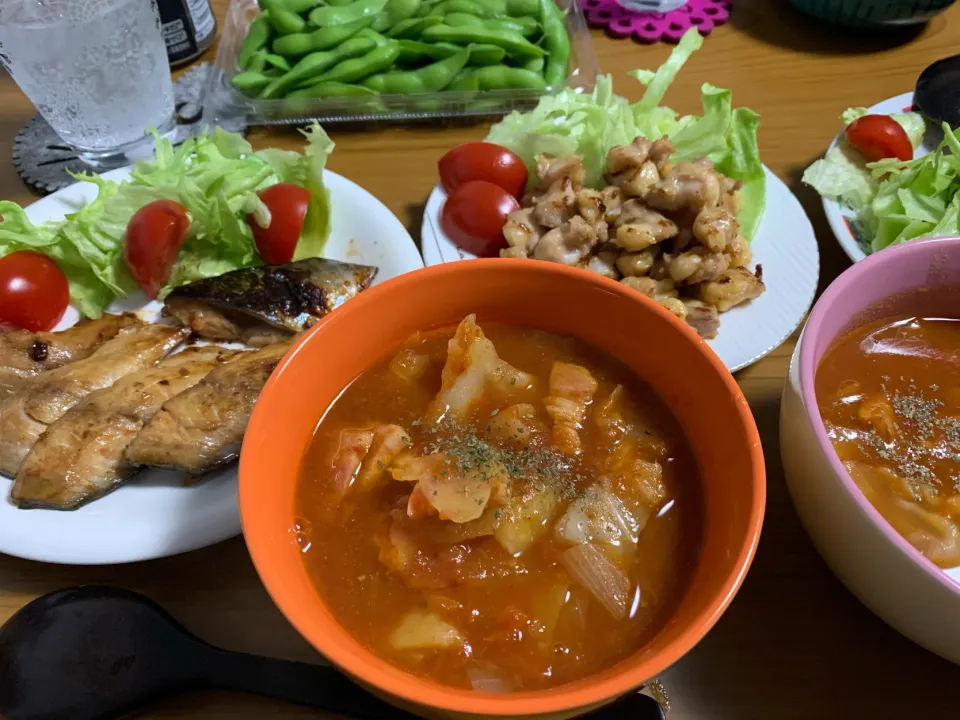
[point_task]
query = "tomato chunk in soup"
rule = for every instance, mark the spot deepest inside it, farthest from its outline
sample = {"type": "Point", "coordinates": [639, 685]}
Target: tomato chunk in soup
{"type": "Point", "coordinates": [499, 509]}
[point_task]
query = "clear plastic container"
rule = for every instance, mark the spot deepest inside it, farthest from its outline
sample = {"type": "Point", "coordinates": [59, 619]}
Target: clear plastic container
{"type": "Point", "coordinates": [222, 100]}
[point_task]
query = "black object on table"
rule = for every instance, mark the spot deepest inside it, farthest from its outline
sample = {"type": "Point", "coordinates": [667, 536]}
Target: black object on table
{"type": "Point", "coordinates": [95, 653]}
{"type": "Point", "coordinates": [937, 94]}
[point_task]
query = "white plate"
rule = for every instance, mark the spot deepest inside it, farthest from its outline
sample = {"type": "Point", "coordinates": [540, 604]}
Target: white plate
{"type": "Point", "coordinates": [155, 514]}
{"type": "Point", "coordinates": [839, 217]}
{"type": "Point", "coordinates": [785, 246]}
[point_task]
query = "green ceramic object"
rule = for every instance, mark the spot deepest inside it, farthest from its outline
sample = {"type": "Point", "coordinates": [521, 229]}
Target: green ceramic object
{"type": "Point", "coordinates": [873, 13]}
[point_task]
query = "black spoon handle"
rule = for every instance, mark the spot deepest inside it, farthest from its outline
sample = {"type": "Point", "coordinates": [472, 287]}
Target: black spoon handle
{"type": "Point", "coordinates": [325, 688]}
{"type": "Point", "coordinates": [312, 685]}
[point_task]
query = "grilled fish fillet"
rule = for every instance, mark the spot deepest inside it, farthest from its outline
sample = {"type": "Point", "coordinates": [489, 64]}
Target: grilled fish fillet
{"type": "Point", "coordinates": [43, 399]}
{"type": "Point", "coordinates": [82, 456]}
{"type": "Point", "coordinates": [263, 305]}
{"type": "Point", "coordinates": [203, 427]}
{"type": "Point", "coordinates": [25, 354]}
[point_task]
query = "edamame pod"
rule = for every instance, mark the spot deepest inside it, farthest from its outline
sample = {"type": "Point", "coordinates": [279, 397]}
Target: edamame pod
{"type": "Point", "coordinates": [557, 42]}
{"type": "Point", "coordinates": [375, 61]}
{"type": "Point", "coordinates": [432, 78]}
{"type": "Point", "coordinates": [534, 65]}
{"type": "Point", "coordinates": [258, 61]}
{"type": "Point", "coordinates": [500, 77]}
{"type": "Point", "coordinates": [395, 11]}
{"type": "Point", "coordinates": [469, 7]}
{"type": "Point", "coordinates": [528, 27]}
{"type": "Point", "coordinates": [521, 8]}
{"type": "Point", "coordinates": [249, 82]}
{"type": "Point", "coordinates": [412, 27]}
{"type": "Point", "coordinates": [329, 16]}
{"type": "Point", "coordinates": [283, 21]}
{"type": "Point", "coordinates": [315, 63]}
{"type": "Point", "coordinates": [465, 81]}
{"type": "Point", "coordinates": [513, 8]}
{"type": "Point", "coordinates": [414, 50]}
{"type": "Point", "coordinates": [277, 61]}
{"type": "Point", "coordinates": [258, 37]}
{"type": "Point", "coordinates": [300, 44]}
{"type": "Point", "coordinates": [332, 89]}
{"type": "Point", "coordinates": [513, 43]}
{"type": "Point", "coordinates": [300, 6]}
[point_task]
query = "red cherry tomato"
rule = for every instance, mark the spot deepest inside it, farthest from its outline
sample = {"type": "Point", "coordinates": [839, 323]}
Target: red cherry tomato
{"type": "Point", "coordinates": [288, 208]}
{"type": "Point", "coordinates": [879, 136]}
{"type": "Point", "coordinates": [155, 235]}
{"type": "Point", "coordinates": [483, 161]}
{"type": "Point", "coordinates": [474, 215]}
{"type": "Point", "coordinates": [33, 291]}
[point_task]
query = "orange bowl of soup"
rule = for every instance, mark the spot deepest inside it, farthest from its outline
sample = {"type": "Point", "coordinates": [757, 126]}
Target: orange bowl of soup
{"type": "Point", "coordinates": [502, 488]}
{"type": "Point", "coordinates": [870, 436]}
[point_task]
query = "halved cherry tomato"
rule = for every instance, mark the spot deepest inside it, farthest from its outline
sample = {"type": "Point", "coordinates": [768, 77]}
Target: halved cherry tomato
{"type": "Point", "coordinates": [154, 237]}
{"type": "Point", "coordinates": [483, 161]}
{"type": "Point", "coordinates": [33, 291]}
{"type": "Point", "coordinates": [474, 215]}
{"type": "Point", "coordinates": [288, 208]}
{"type": "Point", "coordinates": [879, 136]}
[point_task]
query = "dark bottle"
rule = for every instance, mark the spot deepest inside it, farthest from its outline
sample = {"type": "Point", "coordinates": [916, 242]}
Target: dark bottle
{"type": "Point", "coordinates": [188, 28]}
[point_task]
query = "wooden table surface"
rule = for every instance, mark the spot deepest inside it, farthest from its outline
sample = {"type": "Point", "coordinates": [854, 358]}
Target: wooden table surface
{"type": "Point", "coordinates": [794, 643]}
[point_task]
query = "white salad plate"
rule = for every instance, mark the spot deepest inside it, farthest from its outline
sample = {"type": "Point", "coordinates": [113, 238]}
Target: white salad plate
{"type": "Point", "coordinates": [159, 513]}
{"type": "Point", "coordinates": [841, 219]}
{"type": "Point", "coordinates": [785, 245]}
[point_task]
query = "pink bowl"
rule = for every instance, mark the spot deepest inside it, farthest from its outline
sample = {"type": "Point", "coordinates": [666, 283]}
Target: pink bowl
{"type": "Point", "coordinates": [892, 578]}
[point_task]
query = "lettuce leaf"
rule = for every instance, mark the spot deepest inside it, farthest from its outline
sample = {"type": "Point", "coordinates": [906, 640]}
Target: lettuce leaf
{"type": "Point", "coordinates": [215, 176]}
{"type": "Point", "coordinates": [590, 124]}
{"type": "Point", "coordinates": [916, 199]}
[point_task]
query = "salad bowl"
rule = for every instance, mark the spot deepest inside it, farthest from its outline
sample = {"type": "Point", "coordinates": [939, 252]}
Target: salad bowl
{"type": "Point", "coordinates": [849, 196]}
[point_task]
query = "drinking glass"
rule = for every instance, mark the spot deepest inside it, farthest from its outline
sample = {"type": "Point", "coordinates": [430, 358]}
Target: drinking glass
{"type": "Point", "coordinates": [96, 70]}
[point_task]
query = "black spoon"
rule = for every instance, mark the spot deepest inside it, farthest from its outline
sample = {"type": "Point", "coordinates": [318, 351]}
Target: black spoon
{"type": "Point", "coordinates": [96, 653]}
{"type": "Point", "coordinates": [937, 94]}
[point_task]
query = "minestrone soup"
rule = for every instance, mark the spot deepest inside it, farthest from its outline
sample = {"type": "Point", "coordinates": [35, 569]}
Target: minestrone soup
{"type": "Point", "coordinates": [499, 509]}
{"type": "Point", "coordinates": [889, 394]}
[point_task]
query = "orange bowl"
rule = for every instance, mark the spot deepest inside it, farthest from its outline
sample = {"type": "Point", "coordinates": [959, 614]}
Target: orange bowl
{"type": "Point", "coordinates": [661, 349]}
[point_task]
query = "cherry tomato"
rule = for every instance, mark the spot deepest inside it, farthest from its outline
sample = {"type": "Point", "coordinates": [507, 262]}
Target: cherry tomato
{"type": "Point", "coordinates": [288, 208]}
{"type": "Point", "coordinates": [155, 235]}
{"type": "Point", "coordinates": [474, 215]}
{"type": "Point", "coordinates": [33, 291]}
{"type": "Point", "coordinates": [483, 161]}
{"type": "Point", "coordinates": [879, 136]}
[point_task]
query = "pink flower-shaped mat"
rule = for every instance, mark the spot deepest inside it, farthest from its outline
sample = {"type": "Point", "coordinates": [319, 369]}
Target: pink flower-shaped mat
{"type": "Point", "coordinates": [653, 27]}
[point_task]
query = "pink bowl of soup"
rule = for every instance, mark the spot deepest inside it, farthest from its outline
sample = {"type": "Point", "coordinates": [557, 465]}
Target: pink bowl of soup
{"type": "Point", "coordinates": [870, 436]}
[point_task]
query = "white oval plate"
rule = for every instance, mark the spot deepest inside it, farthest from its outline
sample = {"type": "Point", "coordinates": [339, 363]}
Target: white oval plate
{"type": "Point", "coordinates": [785, 246]}
{"type": "Point", "coordinates": [840, 217]}
{"type": "Point", "coordinates": [156, 514]}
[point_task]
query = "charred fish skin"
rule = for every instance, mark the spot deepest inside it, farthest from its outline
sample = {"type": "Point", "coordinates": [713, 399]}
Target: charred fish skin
{"type": "Point", "coordinates": [82, 456]}
{"type": "Point", "coordinates": [45, 398]}
{"type": "Point", "coordinates": [25, 354]}
{"type": "Point", "coordinates": [291, 296]}
{"type": "Point", "coordinates": [202, 428]}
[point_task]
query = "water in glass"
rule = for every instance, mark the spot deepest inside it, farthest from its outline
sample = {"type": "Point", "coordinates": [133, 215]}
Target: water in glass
{"type": "Point", "coordinates": [96, 70]}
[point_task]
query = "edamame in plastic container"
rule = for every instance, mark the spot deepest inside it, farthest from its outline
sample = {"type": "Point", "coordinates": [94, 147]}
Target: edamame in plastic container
{"type": "Point", "coordinates": [286, 61]}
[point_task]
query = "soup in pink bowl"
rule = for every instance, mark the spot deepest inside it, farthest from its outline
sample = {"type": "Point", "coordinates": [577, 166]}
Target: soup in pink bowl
{"type": "Point", "coordinates": [870, 436]}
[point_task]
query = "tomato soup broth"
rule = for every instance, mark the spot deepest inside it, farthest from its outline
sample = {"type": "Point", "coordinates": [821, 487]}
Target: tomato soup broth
{"type": "Point", "coordinates": [889, 395]}
{"type": "Point", "coordinates": [499, 509]}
